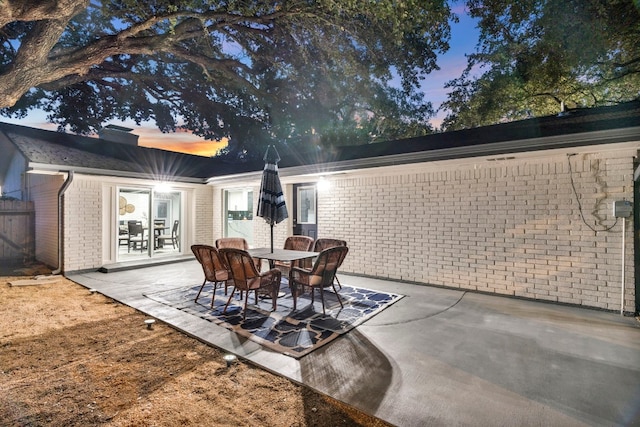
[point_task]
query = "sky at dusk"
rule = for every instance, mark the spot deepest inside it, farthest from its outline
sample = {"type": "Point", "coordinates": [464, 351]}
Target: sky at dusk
{"type": "Point", "coordinates": [464, 36]}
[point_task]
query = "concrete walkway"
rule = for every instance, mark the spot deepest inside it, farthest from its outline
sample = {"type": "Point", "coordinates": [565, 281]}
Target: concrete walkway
{"type": "Point", "coordinates": [441, 357]}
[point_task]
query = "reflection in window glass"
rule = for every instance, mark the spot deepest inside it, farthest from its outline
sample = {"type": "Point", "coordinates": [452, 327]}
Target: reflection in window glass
{"type": "Point", "coordinates": [238, 212]}
{"type": "Point", "coordinates": [306, 205]}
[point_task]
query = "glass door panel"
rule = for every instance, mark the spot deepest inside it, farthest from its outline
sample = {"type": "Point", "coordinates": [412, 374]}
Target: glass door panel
{"type": "Point", "coordinates": [305, 208]}
{"type": "Point", "coordinates": [149, 223]}
{"type": "Point", "coordinates": [133, 224]}
{"type": "Point", "coordinates": [166, 222]}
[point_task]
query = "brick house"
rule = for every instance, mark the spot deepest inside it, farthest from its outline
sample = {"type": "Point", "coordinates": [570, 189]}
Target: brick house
{"type": "Point", "coordinates": [523, 209]}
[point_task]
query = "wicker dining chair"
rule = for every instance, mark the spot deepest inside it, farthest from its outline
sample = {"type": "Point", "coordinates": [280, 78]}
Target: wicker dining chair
{"type": "Point", "coordinates": [320, 245]}
{"type": "Point", "coordinates": [214, 268]}
{"type": "Point", "coordinates": [294, 243]}
{"type": "Point", "coordinates": [320, 276]}
{"type": "Point", "coordinates": [237, 243]}
{"type": "Point", "coordinates": [246, 277]}
{"type": "Point", "coordinates": [232, 242]}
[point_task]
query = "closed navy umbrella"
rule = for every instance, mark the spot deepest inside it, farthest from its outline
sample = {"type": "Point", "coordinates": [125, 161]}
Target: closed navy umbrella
{"type": "Point", "coordinates": [271, 205]}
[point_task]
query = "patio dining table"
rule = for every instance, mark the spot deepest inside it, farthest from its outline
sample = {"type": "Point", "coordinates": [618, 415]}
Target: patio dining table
{"type": "Point", "coordinates": [286, 255]}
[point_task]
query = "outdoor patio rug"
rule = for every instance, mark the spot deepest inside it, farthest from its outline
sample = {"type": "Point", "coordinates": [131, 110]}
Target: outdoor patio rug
{"type": "Point", "coordinates": [294, 333]}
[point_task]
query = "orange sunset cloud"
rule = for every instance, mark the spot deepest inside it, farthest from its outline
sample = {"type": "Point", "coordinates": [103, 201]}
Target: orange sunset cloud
{"type": "Point", "coordinates": [181, 141]}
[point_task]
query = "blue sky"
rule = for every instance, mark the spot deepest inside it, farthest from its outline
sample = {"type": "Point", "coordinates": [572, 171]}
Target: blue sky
{"type": "Point", "coordinates": [464, 37]}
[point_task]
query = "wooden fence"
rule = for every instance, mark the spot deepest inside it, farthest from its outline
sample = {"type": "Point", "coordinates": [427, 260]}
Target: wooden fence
{"type": "Point", "coordinates": [17, 232]}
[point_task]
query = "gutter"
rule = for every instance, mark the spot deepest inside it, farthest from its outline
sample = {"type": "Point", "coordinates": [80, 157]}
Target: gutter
{"type": "Point", "coordinates": [61, 192]}
{"type": "Point", "coordinates": [52, 168]}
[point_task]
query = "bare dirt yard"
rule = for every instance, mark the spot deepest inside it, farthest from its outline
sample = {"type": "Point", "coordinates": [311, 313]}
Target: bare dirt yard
{"type": "Point", "coordinates": [72, 358]}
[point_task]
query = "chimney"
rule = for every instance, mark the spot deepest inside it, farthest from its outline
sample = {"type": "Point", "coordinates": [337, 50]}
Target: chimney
{"type": "Point", "coordinates": [119, 134]}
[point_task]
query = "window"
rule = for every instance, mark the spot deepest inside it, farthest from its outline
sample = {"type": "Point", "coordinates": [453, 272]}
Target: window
{"type": "Point", "coordinates": [238, 212]}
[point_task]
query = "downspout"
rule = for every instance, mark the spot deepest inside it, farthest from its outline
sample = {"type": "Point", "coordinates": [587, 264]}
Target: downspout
{"type": "Point", "coordinates": [61, 192]}
{"type": "Point", "coordinates": [636, 232]}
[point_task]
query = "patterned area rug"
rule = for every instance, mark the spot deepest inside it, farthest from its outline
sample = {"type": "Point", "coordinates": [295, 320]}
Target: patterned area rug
{"type": "Point", "coordinates": [294, 333]}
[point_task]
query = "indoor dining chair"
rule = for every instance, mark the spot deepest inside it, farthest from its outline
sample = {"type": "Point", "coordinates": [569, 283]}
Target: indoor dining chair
{"type": "Point", "coordinates": [136, 236]}
{"type": "Point", "coordinates": [162, 239]}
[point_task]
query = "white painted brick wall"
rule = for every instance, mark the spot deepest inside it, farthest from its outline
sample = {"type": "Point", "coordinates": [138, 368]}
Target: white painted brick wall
{"type": "Point", "coordinates": [507, 227]}
{"type": "Point", "coordinates": [83, 225]}
{"type": "Point", "coordinates": [204, 218]}
{"type": "Point", "coordinates": [84, 221]}
{"type": "Point", "coordinates": [218, 209]}
{"type": "Point", "coordinates": [43, 190]}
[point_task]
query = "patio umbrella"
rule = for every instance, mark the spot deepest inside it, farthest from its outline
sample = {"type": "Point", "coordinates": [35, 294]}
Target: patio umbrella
{"type": "Point", "coordinates": [271, 205]}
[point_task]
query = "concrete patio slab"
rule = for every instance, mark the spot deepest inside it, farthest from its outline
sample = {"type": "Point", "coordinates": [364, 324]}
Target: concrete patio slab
{"type": "Point", "coordinates": [440, 357]}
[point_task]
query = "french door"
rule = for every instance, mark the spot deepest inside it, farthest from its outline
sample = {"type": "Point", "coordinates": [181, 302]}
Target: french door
{"type": "Point", "coordinates": [149, 223]}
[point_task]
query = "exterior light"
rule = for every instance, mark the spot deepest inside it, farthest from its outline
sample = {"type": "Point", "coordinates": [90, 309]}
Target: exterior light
{"type": "Point", "coordinates": [323, 184]}
{"type": "Point", "coordinates": [162, 187]}
{"type": "Point", "coordinates": [230, 359]}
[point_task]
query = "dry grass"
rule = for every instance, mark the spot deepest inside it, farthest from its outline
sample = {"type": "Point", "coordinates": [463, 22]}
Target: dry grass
{"type": "Point", "coordinates": [75, 359]}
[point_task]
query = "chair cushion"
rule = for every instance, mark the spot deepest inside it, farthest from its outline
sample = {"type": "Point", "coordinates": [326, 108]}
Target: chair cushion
{"type": "Point", "coordinates": [221, 275]}
{"type": "Point", "coordinates": [314, 280]}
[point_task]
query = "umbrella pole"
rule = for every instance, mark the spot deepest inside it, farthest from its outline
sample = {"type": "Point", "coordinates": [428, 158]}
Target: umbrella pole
{"type": "Point", "coordinates": [271, 238]}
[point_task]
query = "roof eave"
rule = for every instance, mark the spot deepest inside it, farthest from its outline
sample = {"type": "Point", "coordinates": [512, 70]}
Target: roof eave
{"type": "Point", "coordinates": [609, 136]}
{"type": "Point", "coordinates": [52, 168]}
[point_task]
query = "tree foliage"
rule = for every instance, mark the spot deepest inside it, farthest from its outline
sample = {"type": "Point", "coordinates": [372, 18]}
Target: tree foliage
{"type": "Point", "coordinates": [303, 71]}
{"type": "Point", "coordinates": [534, 57]}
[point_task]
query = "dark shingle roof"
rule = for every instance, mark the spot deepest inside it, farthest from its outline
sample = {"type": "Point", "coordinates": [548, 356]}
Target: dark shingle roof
{"type": "Point", "coordinates": [572, 122]}
{"type": "Point", "coordinates": [66, 150]}
{"type": "Point", "coordinates": [519, 136]}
